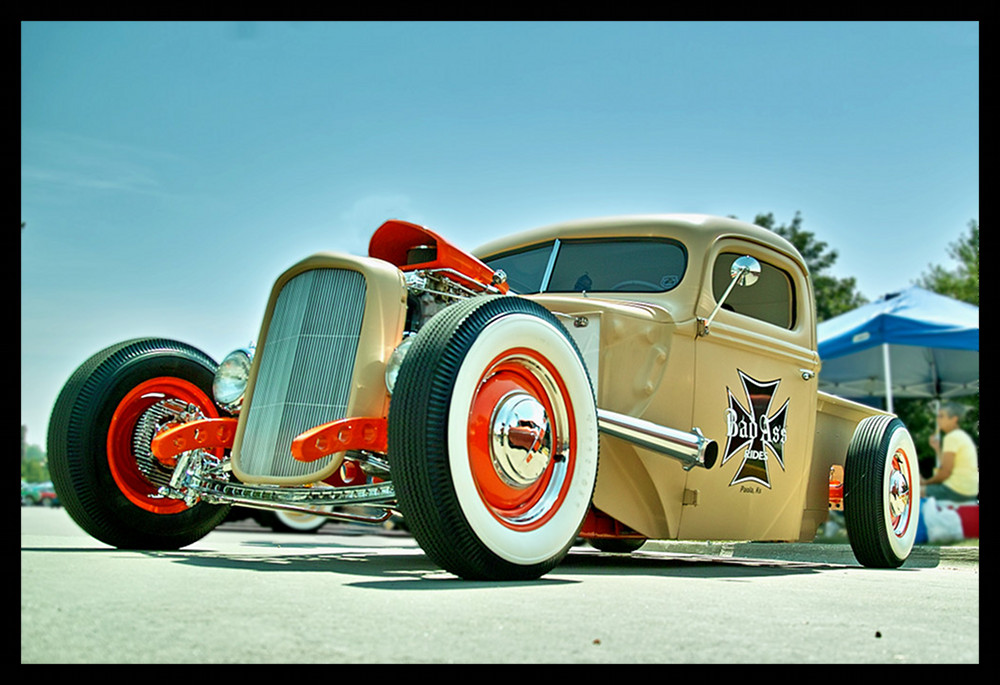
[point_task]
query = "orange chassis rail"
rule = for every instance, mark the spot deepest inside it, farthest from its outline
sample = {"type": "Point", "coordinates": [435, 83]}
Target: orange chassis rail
{"type": "Point", "coordinates": [367, 433]}
{"type": "Point", "coordinates": [597, 524]}
{"type": "Point", "coordinates": [837, 488]}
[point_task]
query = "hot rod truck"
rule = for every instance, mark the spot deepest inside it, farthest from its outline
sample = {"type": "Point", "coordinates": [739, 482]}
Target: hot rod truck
{"type": "Point", "coordinates": [472, 394]}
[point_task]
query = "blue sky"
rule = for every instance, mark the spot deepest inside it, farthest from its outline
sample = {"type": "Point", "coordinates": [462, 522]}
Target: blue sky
{"type": "Point", "coordinates": [170, 171]}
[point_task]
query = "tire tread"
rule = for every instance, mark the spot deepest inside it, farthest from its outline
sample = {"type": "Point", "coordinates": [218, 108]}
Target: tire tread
{"type": "Point", "coordinates": [72, 463]}
{"type": "Point", "coordinates": [417, 415]}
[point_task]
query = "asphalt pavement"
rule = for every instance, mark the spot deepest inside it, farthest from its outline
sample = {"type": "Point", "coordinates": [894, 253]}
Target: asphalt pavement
{"type": "Point", "coordinates": [298, 599]}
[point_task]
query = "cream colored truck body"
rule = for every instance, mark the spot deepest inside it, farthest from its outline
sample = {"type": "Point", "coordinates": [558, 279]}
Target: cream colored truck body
{"type": "Point", "coordinates": [749, 383]}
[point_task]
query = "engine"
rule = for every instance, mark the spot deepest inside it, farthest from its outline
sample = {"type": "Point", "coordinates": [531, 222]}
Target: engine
{"type": "Point", "coordinates": [437, 273]}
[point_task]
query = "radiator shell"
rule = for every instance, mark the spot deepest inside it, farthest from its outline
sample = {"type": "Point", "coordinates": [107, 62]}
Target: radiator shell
{"type": "Point", "coordinates": [331, 322]}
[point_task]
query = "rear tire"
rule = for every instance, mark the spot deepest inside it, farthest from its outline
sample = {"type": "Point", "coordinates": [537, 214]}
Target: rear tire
{"type": "Point", "coordinates": [294, 522]}
{"type": "Point", "coordinates": [493, 439]}
{"type": "Point", "coordinates": [96, 447]}
{"type": "Point", "coordinates": [617, 545]}
{"type": "Point", "coordinates": [881, 492]}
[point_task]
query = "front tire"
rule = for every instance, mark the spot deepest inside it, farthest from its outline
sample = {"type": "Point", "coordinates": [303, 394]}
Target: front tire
{"type": "Point", "coordinates": [99, 437]}
{"type": "Point", "coordinates": [881, 492]}
{"type": "Point", "coordinates": [493, 439]}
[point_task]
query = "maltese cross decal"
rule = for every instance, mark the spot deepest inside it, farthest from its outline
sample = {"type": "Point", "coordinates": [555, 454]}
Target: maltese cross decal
{"type": "Point", "coordinates": [755, 430]}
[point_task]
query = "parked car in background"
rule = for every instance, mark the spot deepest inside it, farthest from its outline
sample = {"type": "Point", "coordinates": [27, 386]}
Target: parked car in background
{"type": "Point", "coordinates": [39, 493]}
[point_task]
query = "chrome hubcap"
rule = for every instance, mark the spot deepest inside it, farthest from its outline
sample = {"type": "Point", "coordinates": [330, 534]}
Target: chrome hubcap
{"type": "Point", "coordinates": [900, 497]}
{"type": "Point", "coordinates": [520, 439]}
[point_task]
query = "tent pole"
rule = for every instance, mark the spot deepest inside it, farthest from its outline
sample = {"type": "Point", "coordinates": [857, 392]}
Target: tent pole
{"type": "Point", "coordinates": [888, 378]}
{"type": "Point", "coordinates": [937, 430]}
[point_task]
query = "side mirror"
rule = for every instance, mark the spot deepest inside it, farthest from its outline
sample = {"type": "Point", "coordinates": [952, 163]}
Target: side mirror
{"type": "Point", "coordinates": [744, 272]}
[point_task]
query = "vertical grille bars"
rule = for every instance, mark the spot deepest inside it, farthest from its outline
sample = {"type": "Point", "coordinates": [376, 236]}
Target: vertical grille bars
{"type": "Point", "coordinates": [306, 368]}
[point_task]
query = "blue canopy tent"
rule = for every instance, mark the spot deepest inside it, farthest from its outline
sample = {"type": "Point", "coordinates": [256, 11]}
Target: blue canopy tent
{"type": "Point", "coordinates": [914, 343]}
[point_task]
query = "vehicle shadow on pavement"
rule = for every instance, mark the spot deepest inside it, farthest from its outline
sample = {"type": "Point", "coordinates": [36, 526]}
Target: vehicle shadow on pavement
{"type": "Point", "coordinates": [395, 568]}
{"type": "Point", "coordinates": [592, 562]}
{"type": "Point", "coordinates": [580, 564]}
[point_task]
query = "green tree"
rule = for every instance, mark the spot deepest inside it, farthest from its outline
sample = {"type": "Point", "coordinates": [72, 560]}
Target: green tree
{"type": "Point", "coordinates": [962, 282]}
{"type": "Point", "coordinates": [833, 295]}
{"type": "Point", "coordinates": [34, 467]}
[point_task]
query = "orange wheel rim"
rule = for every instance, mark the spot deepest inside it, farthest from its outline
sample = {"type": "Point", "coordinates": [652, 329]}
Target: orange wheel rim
{"type": "Point", "coordinates": [131, 481]}
{"type": "Point", "coordinates": [900, 493]}
{"type": "Point", "coordinates": [521, 439]}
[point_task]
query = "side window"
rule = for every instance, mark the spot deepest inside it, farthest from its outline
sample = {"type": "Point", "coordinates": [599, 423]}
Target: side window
{"type": "Point", "coordinates": [638, 265]}
{"type": "Point", "coordinates": [771, 299]}
{"type": "Point", "coordinates": [634, 265]}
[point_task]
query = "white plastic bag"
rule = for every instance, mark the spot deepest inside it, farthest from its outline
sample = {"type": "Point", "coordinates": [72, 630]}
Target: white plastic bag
{"type": "Point", "coordinates": [942, 521]}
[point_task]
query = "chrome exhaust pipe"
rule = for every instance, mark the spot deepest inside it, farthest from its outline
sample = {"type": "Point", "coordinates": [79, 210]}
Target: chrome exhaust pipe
{"type": "Point", "coordinates": [691, 449]}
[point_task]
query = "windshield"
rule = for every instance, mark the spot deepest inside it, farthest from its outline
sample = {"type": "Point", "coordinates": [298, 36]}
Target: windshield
{"type": "Point", "coordinates": [601, 265]}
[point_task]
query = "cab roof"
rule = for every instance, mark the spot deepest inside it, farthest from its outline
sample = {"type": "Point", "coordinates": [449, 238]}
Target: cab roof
{"type": "Point", "coordinates": [696, 231]}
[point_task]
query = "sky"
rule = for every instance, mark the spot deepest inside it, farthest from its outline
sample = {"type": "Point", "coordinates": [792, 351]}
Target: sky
{"type": "Point", "coordinates": [171, 171]}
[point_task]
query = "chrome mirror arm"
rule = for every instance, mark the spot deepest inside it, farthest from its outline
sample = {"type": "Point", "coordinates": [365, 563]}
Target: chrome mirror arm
{"type": "Point", "coordinates": [744, 272]}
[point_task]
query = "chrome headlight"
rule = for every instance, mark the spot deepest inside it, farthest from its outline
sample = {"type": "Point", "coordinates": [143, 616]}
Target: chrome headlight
{"type": "Point", "coordinates": [396, 361]}
{"type": "Point", "coordinates": [231, 380]}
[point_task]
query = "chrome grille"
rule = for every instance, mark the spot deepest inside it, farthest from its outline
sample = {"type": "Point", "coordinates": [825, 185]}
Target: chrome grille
{"type": "Point", "coordinates": [306, 368]}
